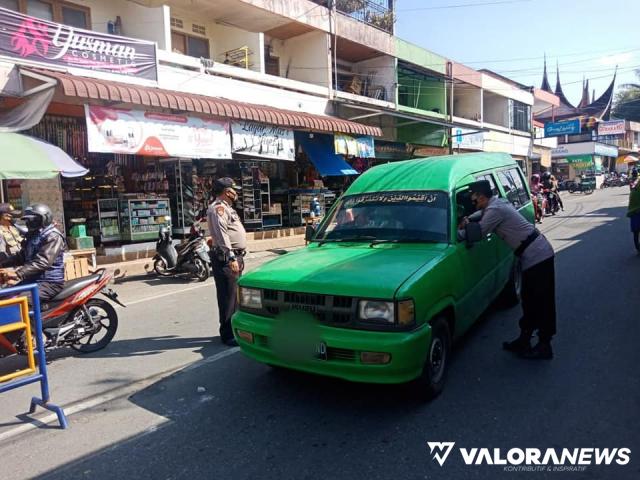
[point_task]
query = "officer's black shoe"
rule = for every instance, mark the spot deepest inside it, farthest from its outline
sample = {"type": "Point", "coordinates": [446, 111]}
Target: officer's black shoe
{"type": "Point", "coordinates": [542, 351]}
{"type": "Point", "coordinates": [520, 344]}
{"type": "Point", "coordinates": [231, 342]}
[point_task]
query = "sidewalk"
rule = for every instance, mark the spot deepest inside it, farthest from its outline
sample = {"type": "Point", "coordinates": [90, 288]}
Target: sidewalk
{"type": "Point", "coordinates": [257, 248]}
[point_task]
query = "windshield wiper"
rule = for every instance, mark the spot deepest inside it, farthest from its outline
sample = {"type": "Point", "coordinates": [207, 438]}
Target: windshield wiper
{"type": "Point", "coordinates": [355, 238]}
{"type": "Point", "coordinates": [378, 241]}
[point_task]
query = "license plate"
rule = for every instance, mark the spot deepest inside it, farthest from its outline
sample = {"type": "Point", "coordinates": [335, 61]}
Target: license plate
{"type": "Point", "coordinates": [321, 351]}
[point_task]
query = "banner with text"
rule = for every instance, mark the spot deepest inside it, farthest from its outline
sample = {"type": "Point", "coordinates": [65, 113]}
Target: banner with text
{"type": "Point", "coordinates": [113, 130]}
{"type": "Point", "coordinates": [613, 127]}
{"type": "Point", "coordinates": [362, 147]}
{"type": "Point", "coordinates": [261, 140]}
{"type": "Point", "coordinates": [37, 40]}
{"type": "Point", "coordinates": [569, 127]}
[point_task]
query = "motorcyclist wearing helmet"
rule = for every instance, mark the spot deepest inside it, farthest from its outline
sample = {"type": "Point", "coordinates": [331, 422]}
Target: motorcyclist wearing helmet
{"type": "Point", "coordinates": [546, 180]}
{"type": "Point", "coordinates": [41, 259]}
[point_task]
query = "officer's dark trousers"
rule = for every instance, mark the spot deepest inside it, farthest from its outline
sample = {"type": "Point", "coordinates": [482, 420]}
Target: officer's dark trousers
{"type": "Point", "coordinates": [539, 300]}
{"type": "Point", "coordinates": [227, 291]}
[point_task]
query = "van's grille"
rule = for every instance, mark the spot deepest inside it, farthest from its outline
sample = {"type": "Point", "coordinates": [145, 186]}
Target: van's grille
{"type": "Point", "coordinates": [329, 309]}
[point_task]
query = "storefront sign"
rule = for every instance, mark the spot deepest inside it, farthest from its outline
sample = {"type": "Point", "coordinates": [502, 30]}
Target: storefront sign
{"type": "Point", "coordinates": [606, 150]}
{"type": "Point", "coordinates": [580, 162]}
{"type": "Point", "coordinates": [37, 40]}
{"type": "Point", "coordinates": [553, 129]}
{"type": "Point", "coordinates": [112, 130]}
{"type": "Point", "coordinates": [362, 147]}
{"type": "Point", "coordinates": [393, 150]}
{"type": "Point", "coordinates": [260, 140]}
{"type": "Point", "coordinates": [429, 151]}
{"type": "Point", "coordinates": [468, 139]}
{"type": "Point", "coordinates": [614, 127]}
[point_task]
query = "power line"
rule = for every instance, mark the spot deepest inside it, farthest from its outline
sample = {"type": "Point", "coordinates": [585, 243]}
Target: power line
{"type": "Point", "coordinates": [463, 5]}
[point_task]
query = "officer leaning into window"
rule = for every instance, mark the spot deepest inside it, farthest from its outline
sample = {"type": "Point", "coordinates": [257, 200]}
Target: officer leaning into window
{"type": "Point", "coordinates": [229, 246]}
{"type": "Point", "coordinates": [537, 260]}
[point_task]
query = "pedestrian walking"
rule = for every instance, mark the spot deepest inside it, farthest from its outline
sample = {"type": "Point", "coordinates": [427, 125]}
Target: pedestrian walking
{"type": "Point", "coordinates": [537, 262]}
{"type": "Point", "coordinates": [229, 247]}
{"type": "Point", "coordinates": [633, 212]}
{"type": "Point", "coordinates": [10, 238]}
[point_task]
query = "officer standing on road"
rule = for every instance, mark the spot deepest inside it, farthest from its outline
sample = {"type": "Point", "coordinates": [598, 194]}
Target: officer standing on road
{"type": "Point", "coordinates": [10, 238]}
{"type": "Point", "coordinates": [537, 261]}
{"type": "Point", "coordinates": [229, 247]}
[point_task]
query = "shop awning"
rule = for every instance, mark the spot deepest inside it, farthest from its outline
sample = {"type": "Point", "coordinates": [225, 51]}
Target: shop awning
{"type": "Point", "coordinates": [110, 91]}
{"type": "Point", "coordinates": [320, 150]}
{"type": "Point", "coordinates": [25, 157]}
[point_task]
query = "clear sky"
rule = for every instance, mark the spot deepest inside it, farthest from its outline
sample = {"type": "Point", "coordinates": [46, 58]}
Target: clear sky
{"type": "Point", "coordinates": [587, 37]}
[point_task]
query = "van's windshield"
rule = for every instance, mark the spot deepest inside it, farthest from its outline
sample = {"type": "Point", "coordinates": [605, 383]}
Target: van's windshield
{"type": "Point", "coordinates": [412, 216]}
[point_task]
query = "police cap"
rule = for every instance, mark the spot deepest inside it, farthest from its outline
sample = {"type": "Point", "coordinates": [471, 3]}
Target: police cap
{"type": "Point", "coordinates": [223, 183]}
{"type": "Point", "coordinates": [7, 208]}
{"type": "Point", "coordinates": [481, 187]}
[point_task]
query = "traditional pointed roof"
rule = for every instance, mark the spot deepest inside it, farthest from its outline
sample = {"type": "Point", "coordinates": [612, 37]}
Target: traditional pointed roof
{"type": "Point", "coordinates": [546, 86]}
{"type": "Point", "coordinates": [600, 108]}
{"type": "Point", "coordinates": [559, 92]}
{"type": "Point", "coordinates": [584, 101]}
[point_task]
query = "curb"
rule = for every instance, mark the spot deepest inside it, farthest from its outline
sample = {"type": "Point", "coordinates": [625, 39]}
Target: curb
{"type": "Point", "coordinates": [111, 395]}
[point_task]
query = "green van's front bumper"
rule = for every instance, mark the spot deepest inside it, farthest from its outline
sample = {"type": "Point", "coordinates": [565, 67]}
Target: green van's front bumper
{"type": "Point", "coordinates": [343, 349]}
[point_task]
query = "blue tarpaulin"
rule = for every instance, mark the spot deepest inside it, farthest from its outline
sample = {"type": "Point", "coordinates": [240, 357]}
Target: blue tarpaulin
{"type": "Point", "coordinates": [320, 150]}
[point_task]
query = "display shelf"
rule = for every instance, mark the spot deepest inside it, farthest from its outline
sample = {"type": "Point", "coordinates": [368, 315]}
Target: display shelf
{"type": "Point", "coordinates": [142, 218]}
{"type": "Point", "coordinates": [108, 220]}
{"type": "Point", "coordinates": [300, 204]}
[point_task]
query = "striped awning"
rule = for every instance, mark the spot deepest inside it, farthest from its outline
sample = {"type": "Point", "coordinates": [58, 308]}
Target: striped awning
{"type": "Point", "coordinates": [110, 91]}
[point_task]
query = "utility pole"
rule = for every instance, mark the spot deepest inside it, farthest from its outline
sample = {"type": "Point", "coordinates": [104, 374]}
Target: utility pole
{"type": "Point", "coordinates": [450, 129]}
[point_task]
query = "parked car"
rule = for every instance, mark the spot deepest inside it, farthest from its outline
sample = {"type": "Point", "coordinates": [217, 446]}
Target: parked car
{"type": "Point", "coordinates": [385, 285]}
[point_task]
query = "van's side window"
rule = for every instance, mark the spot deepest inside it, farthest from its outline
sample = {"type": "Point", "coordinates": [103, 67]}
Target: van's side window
{"type": "Point", "coordinates": [520, 185]}
{"type": "Point", "coordinates": [513, 187]}
{"type": "Point", "coordinates": [489, 177]}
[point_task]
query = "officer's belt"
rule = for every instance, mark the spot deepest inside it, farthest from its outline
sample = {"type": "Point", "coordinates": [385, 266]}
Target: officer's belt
{"type": "Point", "coordinates": [240, 252]}
{"type": "Point", "coordinates": [526, 242]}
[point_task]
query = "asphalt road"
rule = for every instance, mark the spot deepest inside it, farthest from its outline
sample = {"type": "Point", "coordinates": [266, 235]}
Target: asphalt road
{"type": "Point", "coordinates": [228, 417]}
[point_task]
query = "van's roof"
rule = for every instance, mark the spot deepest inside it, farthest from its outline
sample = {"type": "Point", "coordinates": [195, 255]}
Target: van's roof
{"type": "Point", "coordinates": [433, 173]}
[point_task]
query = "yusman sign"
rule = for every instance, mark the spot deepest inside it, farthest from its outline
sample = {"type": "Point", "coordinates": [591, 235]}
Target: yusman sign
{"type": "Point", "coordinates": [36, 40]}
{"type": "Point", "coordinates": [553, 129]}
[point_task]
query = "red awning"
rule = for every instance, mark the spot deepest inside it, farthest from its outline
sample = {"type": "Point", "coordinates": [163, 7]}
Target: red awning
{"type": "Point", "coordinates": [109, 91]}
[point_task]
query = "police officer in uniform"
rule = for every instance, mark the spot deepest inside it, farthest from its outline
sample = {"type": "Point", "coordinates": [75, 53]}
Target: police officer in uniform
{"type": "Point", "coordinates": [537, 261]}
{"type": "Point", "coordinates": [229, 247]}
{"type": "Point", "coordinates": [10, 237]}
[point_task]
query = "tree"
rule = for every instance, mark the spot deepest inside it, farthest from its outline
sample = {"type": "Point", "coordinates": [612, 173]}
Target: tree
{"type": "Point", "coordinates": [627, 101]}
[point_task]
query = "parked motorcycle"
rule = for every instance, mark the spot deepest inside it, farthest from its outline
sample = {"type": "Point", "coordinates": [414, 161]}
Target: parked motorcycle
{"type": "Point", "coordinates": [190, 258]}
{"type": "Point", "coordinates": [76, 318]}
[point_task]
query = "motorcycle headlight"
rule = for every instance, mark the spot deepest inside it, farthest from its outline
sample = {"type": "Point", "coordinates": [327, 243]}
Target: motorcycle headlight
{"type": "Point", "coordinates": [250, 298]}
{"type": "Point", "coordinates": [377, 311]}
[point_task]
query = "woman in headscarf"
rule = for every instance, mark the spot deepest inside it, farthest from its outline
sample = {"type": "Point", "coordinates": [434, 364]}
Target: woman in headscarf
{"type": "Point", "coordinates": [634, 208]}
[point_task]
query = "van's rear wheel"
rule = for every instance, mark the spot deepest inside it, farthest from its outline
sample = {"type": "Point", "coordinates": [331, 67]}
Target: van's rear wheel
{"type": "Point", "coordinates": [431, 383]}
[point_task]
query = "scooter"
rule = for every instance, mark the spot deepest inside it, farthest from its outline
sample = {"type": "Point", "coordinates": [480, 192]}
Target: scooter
{"type": "Point", "coordinates": [75, 317]}
{"type": "Point", "coordinates": [190, 258]}
{"type": "Point", "coordinates": [552, 206]}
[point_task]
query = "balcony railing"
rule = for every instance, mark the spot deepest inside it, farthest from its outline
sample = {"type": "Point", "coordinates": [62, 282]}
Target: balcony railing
{"type": "Point", "coordinates": [372, 12]}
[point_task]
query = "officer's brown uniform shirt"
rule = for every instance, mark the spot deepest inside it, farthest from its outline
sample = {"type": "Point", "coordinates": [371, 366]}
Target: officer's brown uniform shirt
{"type": "Point", "coordinates": [11, 241]}
{"type": "Point", "coordinates": [225, 227]}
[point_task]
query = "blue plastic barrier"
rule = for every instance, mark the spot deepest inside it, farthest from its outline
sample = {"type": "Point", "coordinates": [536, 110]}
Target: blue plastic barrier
{"type": "Point", "coordinates": [14, 316]}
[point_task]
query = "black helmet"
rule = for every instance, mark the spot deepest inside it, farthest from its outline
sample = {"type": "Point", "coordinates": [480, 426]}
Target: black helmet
{"type": "Point", "coordinates": [37, 216]}
{"type": "Point", "coordinates": [546, 175]}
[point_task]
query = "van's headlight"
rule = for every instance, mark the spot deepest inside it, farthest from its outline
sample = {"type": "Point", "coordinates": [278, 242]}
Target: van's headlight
{"type": "Point", "coordinates": [250, 298]}
{"type": "Point", "coordinates": [377, 311]}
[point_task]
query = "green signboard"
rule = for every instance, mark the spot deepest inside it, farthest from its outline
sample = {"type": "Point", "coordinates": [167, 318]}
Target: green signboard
{"type": "Point", "coordinates": [581, 162]}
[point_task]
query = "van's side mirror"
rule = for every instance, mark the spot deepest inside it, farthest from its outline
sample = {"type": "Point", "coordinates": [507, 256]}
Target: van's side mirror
{"type": "Point", "coordinates": [309, 232]}
{"type": "Point", "coordinates": [473, 233]}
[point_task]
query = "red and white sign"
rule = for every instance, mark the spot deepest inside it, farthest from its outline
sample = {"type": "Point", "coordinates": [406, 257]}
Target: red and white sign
{"type": "Point", "coordinates": [135, 132]}
{"type": "Point", "coordinates": [614, 127]}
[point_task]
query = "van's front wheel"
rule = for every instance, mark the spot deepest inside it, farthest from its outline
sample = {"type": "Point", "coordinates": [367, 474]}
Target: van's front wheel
{"type": "Point", "coordinates": [431, 383]}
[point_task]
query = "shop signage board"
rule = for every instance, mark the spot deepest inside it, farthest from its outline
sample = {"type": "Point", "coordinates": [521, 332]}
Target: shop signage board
{"type": "Point", "coordinates": [362, 147]}
{"type": "Point", "coordinates": [468, 139]}
{"type": "Point", "coordinates": [263, 141]}
{"type": "Point", "coordinates": [393, 150]}
{"type": "Point", "coordinates": [570, 127]}
{"type": "Point", "coordinates": [29, 38]}
{"type": "Point", "coordinates": [136, 132]}
{"type": "Point", "coordinates": [606, 150]}
{"type": "Point", "coordinates": [614, 127]}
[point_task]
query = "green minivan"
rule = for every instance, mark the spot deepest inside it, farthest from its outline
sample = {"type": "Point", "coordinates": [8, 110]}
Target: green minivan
{"type": "Point", "coordinates": [385, 284]}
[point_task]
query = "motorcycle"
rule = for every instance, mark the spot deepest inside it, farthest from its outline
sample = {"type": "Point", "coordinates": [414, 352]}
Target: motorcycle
{"type": "Point", "coordinates": [552, 206]}
{"type": "Point", "coordinates": [584, 187]}
{"type": "Point", "coordinates": [75, 318]}
{"type": "Point", "coordinates": [190, 258]}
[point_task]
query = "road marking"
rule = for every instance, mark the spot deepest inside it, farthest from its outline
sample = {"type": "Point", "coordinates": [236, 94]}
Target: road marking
{"type": "Point", "coordinates": [114, 394]}
{"type": "Point", "coordinates": [161, 295]}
